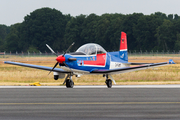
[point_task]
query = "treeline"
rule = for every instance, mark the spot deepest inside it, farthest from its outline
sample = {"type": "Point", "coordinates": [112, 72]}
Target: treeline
{"type": "Point", "coordinates": [157, 31]}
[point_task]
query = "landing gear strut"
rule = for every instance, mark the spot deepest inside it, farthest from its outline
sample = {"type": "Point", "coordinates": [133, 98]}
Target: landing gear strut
{"type": "Point", "coordinates": [108, 82]}
{"type": "Point", "coordinates": [69, 82]}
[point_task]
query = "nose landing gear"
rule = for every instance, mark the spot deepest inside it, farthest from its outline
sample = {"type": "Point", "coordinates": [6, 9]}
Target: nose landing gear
{"type": "Point", "coordinates": [69, 82]}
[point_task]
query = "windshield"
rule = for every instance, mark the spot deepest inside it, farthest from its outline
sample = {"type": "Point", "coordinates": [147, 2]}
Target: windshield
{"type": "Point", "coordinates": [91, 49]}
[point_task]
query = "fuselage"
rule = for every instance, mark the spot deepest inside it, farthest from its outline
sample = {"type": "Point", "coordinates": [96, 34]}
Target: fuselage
{"type": "Point", "coordinates": [87, 63]}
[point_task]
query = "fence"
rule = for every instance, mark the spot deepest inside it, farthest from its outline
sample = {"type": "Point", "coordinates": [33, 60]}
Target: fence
{"type": "Point", "coordinates": [154, 53]}
{"type": "Point", "coordinates": [22, 54]}
{"type": "Point", "coordinates": [130, 53]}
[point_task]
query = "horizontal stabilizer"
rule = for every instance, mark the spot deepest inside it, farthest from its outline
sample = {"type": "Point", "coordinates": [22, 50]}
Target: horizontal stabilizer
{"type": "Point", "coordinates": [171, 61]}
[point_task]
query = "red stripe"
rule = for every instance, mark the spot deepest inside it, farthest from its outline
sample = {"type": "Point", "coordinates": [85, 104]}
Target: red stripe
{"type": "Point", "coordinates": [100, 60]}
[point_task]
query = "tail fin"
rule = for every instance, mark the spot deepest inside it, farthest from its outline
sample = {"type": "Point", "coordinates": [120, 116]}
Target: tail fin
{"type": "Point", "coordinates": [123, 42]}
{"type": "Point", "coordinates": [123, 47]}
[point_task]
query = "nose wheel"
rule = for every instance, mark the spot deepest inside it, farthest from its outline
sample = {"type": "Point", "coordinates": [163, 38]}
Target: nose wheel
{"type": "Point", "coordinates": [69, 82]}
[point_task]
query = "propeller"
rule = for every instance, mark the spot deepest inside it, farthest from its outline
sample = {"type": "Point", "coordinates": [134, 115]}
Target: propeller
{"type": "Point", "coordinates": [61, 59]}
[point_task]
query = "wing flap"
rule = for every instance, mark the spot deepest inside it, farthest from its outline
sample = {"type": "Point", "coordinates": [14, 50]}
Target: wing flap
{"type": "Point", "coordinates": [37, 67]}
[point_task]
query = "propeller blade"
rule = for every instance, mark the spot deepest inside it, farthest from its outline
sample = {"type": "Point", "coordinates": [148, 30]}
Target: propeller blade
{"type": "Point", "coordinates": [68, 48]}
{"type": "Point", "coordinates": [53, 67]}
{"type": "Point", "coordinates": [51, 49]}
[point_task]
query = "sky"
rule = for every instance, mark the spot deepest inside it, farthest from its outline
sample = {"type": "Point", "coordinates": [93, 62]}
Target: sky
{"type": "Point", "coordinates": [14, 11]}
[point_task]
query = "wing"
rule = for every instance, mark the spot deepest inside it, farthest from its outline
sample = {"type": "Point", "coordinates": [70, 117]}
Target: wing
{"type": "Point", "coordinates": [37, 67]}
{"type": "Point", "coordinates": [130, 69]}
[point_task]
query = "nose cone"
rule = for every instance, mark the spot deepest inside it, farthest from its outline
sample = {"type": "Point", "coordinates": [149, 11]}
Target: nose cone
{"type": "Point", "coordinates": [60, 59]}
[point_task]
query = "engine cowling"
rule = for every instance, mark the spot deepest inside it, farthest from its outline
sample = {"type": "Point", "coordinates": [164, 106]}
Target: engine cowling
{"type": "Point", "coordinates": [58, 75]}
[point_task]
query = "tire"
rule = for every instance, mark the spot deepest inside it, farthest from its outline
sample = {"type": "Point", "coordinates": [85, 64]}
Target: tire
{"type": "Point", "coordinates": [69, 83]}
{"type": "Point", "coordinates": [109, 83]}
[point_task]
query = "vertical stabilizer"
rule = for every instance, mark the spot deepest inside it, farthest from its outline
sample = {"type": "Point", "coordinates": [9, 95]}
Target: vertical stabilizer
{"type": "Point", "coordinates": [123, 54]}
{"type": "Point", "coordinates": [123, 42]}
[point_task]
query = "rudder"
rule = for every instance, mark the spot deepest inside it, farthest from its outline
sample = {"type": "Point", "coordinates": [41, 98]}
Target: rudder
{"type": "Point", "coordinates": [123, 54]}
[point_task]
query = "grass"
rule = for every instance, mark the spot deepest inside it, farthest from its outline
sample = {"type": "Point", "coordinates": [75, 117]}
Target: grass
{"type": "Point", "coordinates": [16, 75]}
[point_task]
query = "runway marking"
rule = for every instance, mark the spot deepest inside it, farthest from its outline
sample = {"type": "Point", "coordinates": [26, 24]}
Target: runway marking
{"type": "Point", "coordinates": [93, 103]}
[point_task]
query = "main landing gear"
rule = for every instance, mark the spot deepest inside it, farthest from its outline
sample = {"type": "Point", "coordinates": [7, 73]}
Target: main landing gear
{"type": "Point", "coordinates": [69, 82]}
{"type": "Point", "coordinates": [108, 81]}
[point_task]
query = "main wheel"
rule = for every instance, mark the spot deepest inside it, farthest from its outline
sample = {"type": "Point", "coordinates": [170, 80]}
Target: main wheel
{"type": "Point", "coordinates": [109, 83]}
{"type": "Point", "coordinates": [69, 83]}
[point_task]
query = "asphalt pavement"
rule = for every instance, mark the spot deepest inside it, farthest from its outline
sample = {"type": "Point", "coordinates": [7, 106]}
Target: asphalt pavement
{"type": "Point", "coordinates": [89, 103]}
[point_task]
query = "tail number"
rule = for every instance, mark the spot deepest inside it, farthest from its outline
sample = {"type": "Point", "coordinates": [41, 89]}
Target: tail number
{"type": "Point", "coordinates": [117, 64]}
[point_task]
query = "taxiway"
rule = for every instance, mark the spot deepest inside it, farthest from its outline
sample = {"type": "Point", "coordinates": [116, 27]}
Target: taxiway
{"type": "Point", "coordinates": [89, 102]}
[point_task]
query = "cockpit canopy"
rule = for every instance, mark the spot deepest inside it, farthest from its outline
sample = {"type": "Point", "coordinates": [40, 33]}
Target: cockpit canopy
{"type": "Point", "coordinates": [91, 49]}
